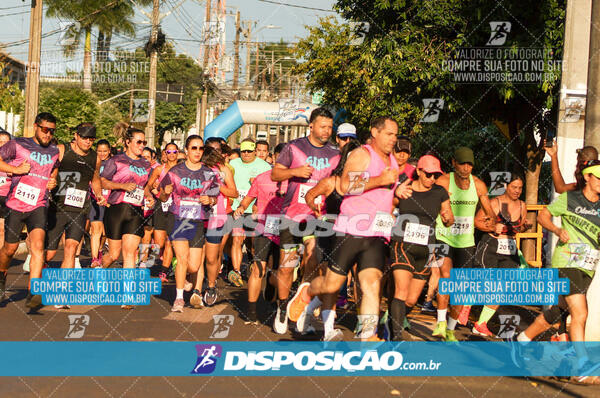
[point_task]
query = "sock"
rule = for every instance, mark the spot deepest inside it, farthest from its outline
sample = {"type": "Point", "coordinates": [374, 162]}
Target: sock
{"type": "Point", "coordinates": [313, 305]}
{"type": "Point", "coordinates": [486, 314]}
{"type": "Point", "coordinates": [397, 311]}
{"type": "Point", "coordinates": [368, 325]}
{"type": "Point", "coordinates": [328, 317]}
{"type": "Point", "coordinates": [442, 315]}
{"type": "Point", "coordinates": [452, 323]}
{"type": "Point", "coordinates": [283, 304]}
{"type": "Point", "coordinates": [252, 307]}
{"type": "Point", "coordinates": [563, 322]}
{"type": "Point", "coordinates": [179, 294]}
{"type": "Point", "coordinates": [522, 337]}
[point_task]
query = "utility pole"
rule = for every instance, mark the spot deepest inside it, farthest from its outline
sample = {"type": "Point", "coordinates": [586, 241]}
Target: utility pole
{"type": "Point", "coordinates": [152, 84]}
{"type": "Point", "coordinates": [271, 83]}
{"type": "Point", "coordinates": [592, 113]}
{"type": "Point", "coordinates": [206, 39]}
{"type": "Point", "coordinates": [236, 54]}
{"type": "Point", "coordinates": [248, 50]}
{"type": "Point", "coordinates": [32, 84]}
{"type": "Point", "coordinates": [256, 65]}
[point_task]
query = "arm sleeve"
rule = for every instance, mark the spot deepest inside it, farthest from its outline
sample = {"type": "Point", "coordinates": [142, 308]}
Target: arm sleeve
{"type": "Point", "coordinates": [285, 157]}
{"type": "Point", "coordinates": [559, 206]}
{"type": "Point", "coordinates": [110, 168]}
{"type": "Point", "coordinates": [253, 192]}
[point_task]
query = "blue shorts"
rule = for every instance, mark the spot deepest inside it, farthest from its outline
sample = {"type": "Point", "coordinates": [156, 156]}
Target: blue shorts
{"type": "Point", "coordinates": [186, 229]}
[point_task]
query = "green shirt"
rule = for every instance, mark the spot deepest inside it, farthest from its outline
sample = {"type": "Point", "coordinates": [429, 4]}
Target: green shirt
{"type": "Point", "coordinates": [463, 203]}
{"type": "Point", "coordinates": [581, 219]}
{"type": "Point", "coordinates": [242, 175]}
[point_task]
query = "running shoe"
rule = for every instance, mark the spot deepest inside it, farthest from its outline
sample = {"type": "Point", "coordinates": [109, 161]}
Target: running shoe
{"type": "Point", "coordinates": [2, 285]}
{"type": "Point", "coordinates": [302, 322]}
{"type": "Point", "coordinates": [586, 370]}
{"type": "Point", "coordinates": [296, 305]}
{"type": "Point", "coordinates": [235, 278]}
{"type": "Point", "coordinates": [463, 317]}
{"type": "Point", "coordinates": [269, 293]}
{"type": "Point", "coordinates": [196, 299]}
{"type": "Point", "coordinates": [374, 338]}
{"type": "Point", "coordinates": [481, 329]}
{"type": "Point", "coordinates": [33, 302]}
{"type": "Point", "coordinates": [280, 324]}
{"type": "Point", "coordinates": [178, 305]}
{"type": "Point", "coordinates": [96, 263]}
{"type": "Point", "coordinates": [250, 318]}
{"type": "Point", "coordinates": [563, 337]}
{"type": "Point", "coordinates": [440, 330]}
{"type": "Point", "coordinates": [188, 286]}
{"type": "Point", "coordinates": [163, 277]}
{"type": "Point", "coordinates": [62, 307]}
{"type": "Point", "coordinates": [26, 264]}
{"type": "Point", "coordinates": [450, 337]}
{"type": "Point", "coordinates": [517, 353]}
{"type": "Point", "coordinates": [334, 335]}
{"type": "Point", "coordinates": [428, 308]}
{"type": "Point", "coordinates": [406, 324]}
{"type": "Point", "coordinates": [127, 307]}
{"type": "Point", "coordinates": [77, 263]}
{"type": "Point", "coordinates": [210, 296]}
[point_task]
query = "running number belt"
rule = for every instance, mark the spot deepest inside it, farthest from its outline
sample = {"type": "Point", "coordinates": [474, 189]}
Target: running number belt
{"type": "Point", "coordinates": [463, 204]}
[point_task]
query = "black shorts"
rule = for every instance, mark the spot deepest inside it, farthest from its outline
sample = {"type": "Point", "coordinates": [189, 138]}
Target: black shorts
{"type": "Point", "coordinates": [325, 237]}
{"type": "Point", "coordinates": [185, 229]}
{"type": "Point", "coordinates": [215, 235]}
{"type": "Point", "coordinates": [366, 252]}
{"type": "Point", "coordinates": [3, 208]}
{"type": "Point", "coordinates": [462, 257]}
{"type": "Point", "coordinates": [123, 219]}
{"type": "Point", "coordinates": [294, 233]}
{"type": "Point", "coordinates": [487, 256]}
{"type": "Point", "coordinates": [14, 221]}
{"type": "Point", "coordinates": [579, 281]}
{"type": "Point", "coordinates": [96, 211]}
{"type": "Point", "coordinates": [265, 247]}
{"type": "Point", "coordinates": [410, 257]}
{"type": "Point", "coordinates": [72, 224]}
{"type": "Point", "coordinates": [159, 218]}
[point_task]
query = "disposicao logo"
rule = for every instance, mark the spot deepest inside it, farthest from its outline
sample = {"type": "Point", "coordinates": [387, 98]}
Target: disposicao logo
{"type": "Point", "coordinates": [207, 358]}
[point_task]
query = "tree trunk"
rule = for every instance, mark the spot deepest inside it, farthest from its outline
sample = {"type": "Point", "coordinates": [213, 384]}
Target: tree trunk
{"type": "Point", "coordinates": [100, 47]}
{"type": "Point", "coordinates": [87, 60]}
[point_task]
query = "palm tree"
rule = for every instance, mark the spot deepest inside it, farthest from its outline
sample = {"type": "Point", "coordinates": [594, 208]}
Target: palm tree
{"type": "Point", "coordinates": [107, 15]}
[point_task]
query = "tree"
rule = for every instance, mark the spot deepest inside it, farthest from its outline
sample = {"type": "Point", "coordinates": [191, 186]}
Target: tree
{"type": "Point", "coordinates": [11, 96]}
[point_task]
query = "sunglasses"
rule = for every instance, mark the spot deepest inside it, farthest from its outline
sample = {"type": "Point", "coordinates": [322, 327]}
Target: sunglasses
{"type": "Point", "coordinates": [47, 130]}
{"type": "Point", "coordinates": [138, 142]}
{"type": "Point", "coordinates": [171, 151]}
{"type": "Point", "coordinates": [88, 138]}
{"type": "Point", "coordinates": [196, 148]}
{"type": "Point", "coordinates": [344, 138]}
{"type": "Point", "coordinates": [247, 151]}
{"type": "Point", "coordinates": [429, 175]}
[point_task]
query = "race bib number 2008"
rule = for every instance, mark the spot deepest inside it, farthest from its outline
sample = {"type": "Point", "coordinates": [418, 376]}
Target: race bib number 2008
{"type": "Point", "coordinates": [75, 197]}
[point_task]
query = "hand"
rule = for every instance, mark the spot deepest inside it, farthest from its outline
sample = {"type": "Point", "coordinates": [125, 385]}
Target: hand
{"type": "Point", "coordinates": [101, 200]}
{"type": "Point", "coordinates": [205, 200]}
{"type": "Point", "coordinates": [404, 190]}
{"type": "Point", "coordinates": [551, 151]}
{"type": "Point", "coordinates": [303, 171]}
{"type": "Point", "coordinates": [563, 235]}
{"type": "Point", "coordinates": [150, 201]}
{"type": "Point", "coordinates": [389, 176]}
{"type": "Point", "coordinates": [498, 229]}
{"type": "Point", "coordinates": [526, 225]}
{"type": "Point", "coordinates": [238, 212]}
{"type": "Point", "coordinates": [23, 168]}
{"type": "Point", "coordinates": [445, 215]}
{"type": "Point", "coordinates": [129, 186]}
{"type": "Point", "coordinates": [51, 184]}
{"type": "Point", "coordinates": [168, 189]}
{"type": "Point", "coordinates": [156, 184]}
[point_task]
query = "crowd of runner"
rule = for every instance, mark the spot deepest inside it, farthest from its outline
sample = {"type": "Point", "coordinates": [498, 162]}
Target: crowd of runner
{"type": "Point", "coordinates": [317, 220]}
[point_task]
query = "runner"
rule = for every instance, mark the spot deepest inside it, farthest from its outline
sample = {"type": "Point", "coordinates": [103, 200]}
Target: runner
{"type": "Point", "coordinates": [69, 205]}
{"type": "Point", "coordinates": [304, 162]}
{"type": "Point", "coordinates": [96, 211]}
{"type": "Point", "coordinates": [33, 164]}
{"type": "Point", "coordinates": [161, 210]}
{"type": "Point", "coordinates": [246, 168]}
{"type": "Point", "coordinates": [413, 238]}
{"type": "Point", "coordinates": [262, 149]}
{"type": "Point", "coordinates": [576, 256]}
{"type": "Point", "coordinates": [584, 154]}
{"type": "Point", "coordinates": [402, 152]}
{"type": "Point", "coordinates": [193, 187]}
{"type": "Point", "coordinates": [465, 191]}
{"type": "Point", "coordinates": [216, 235]}
{"type": "Point", "coordinates": [345, 133]}
{"type": "Point", "coordinates": [126, 175]}
{"type": "Point", "coordinates": [269, 202]}
{"type": "Point", "coordinates": [4, 187]}
{"type": "Point", "coordinates": [498, 248]}
{"type": "Point", "coordinates": [363, 242]}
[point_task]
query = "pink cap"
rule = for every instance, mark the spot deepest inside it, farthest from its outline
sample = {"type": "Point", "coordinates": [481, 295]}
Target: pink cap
{"type": "Point", "coordinates": [429, 164]}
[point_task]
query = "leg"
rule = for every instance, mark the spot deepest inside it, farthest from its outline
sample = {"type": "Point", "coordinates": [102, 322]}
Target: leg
{"type": "Point", "coordinates": [114, 251]}
{"type": "Point", "coordinates": [236, 252]}
{"type": "Point", "coordinates": [70, 250]}
{"type": "Point", "coordinates": [182, 252]}
{"type": "Point", "coordinates": [130, 245]}
{"type": "Point", "coordinates": [96, 231]}
{"type": "Point", "coordinates": [370, 281]}
{"type": "Point", "coordinates": [212, 262]}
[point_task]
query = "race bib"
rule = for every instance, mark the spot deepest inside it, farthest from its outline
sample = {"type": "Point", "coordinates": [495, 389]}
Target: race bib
{"type": "Point", "coordinates": [583, 256]}
{"type": "Point", "coordinates": [383, 223]}
{"type": "Point", "coordinates": [507, 247]}
{"type": "Point", "coordinates": [302, 190]}
{"type": "Point", "coordinates": [272, 224]}
{"type": "Point", "coordinates": [134, 197]}
{"type": "Point", "coordinates": [75, 197]}
{"type": "Point", "coordinates": [462, 226]}
{"type": "Point", "coordinates": [27, 194]}
{"type": "Point", "coordinates": [105, 192]}
{"type": "Point", "coordinates": [416, 233]}
{"type": "Point", "coordinates": [190, 209]}
{"type": "Point", "coordinates": [3, 180]}
{"type": "Point", "coordinates": [165, 205]}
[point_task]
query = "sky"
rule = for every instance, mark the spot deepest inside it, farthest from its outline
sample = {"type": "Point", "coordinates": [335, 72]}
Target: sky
{"type": "Point", "coordinates": [183, 27]}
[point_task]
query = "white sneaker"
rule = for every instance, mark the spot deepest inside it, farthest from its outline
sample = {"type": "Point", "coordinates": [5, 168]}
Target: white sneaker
{"type": "Point", "coordinates": [26, 263]}
{"type": "Point", "coordinates": [62, 307]}
{"type": "Point", "coordinates": [280, 326]}
{"type": "Point", "coordinates": [302, 322]}
{"type": "Point", "coordinates": [335, 335]}
{"type": "Point", "coordinates": [77, 263]}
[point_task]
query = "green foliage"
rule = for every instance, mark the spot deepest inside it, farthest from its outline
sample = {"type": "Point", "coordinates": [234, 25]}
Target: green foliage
{"type": "Point", "coordinates": [72, 106]}
{"type": "Point", "coordinates": [11, 96]}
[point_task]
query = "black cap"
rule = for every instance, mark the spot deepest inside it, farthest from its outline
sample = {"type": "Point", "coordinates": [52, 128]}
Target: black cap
{"type": "Point", "coordinates": [86, 130]}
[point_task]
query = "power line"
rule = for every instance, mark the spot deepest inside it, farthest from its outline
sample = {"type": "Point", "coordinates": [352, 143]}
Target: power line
{"type": "Point", "coordinates": [297, 6]}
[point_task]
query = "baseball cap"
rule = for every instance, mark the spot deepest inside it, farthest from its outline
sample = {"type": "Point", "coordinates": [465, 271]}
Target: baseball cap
{"type": "Point", "coordinates": [346, 130]}
{"type": "Point", "coordinates": [429, 164]}
{"type": "Point", "coordinates": [86, 130]}
{"type": "Point", "coordinates": [464, 155]}
{"type": "Point", "coordinates": [247, 146]}
{"type": "Point", "coordinates": [594, 169]}
{"type": "Point", "coordinates": [403, 144]}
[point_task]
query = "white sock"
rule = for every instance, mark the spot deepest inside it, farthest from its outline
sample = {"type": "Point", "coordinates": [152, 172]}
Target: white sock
{"type": "Point", "coordinates": [179, 294]}
{"type": "Point", "coordinates": [442, 315]}
{"type": "Point", "coordinates": [452, 323]}
{"type": "Point", "coordinates": [313, 305]}
{"type": "Point", "coordinates": [368, 325]}
{"type": "Point", "coordinates": [328, 320]}
{"type": "Point", "coordinates": [522, 337]}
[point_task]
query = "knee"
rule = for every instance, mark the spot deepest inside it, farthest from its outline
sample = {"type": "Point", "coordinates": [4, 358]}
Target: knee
{"type": "Point", "coordinates": [9, 249]}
